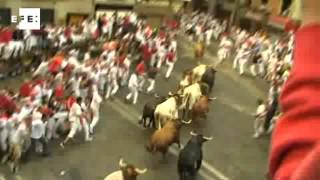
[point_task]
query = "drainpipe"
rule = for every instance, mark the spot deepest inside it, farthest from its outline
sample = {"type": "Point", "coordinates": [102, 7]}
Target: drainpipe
{"type": "Point", "coordinates": [212, 5]}
{"type": "Point", "coordinates": [93, 8]}
{"type": "Point", "coordinates": [234, 13]}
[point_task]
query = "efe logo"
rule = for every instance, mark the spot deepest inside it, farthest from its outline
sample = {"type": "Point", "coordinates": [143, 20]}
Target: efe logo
{"type": "Point", "coordinates": [29, 19]}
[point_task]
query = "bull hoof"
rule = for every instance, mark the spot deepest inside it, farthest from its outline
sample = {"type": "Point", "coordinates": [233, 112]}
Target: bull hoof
{"type": "Point", "coordinates": [4, 159]}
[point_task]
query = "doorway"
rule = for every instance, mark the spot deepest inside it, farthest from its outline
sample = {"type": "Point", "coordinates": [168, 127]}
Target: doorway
{"type": "Point", "coordinates": [46, 16]}
{"type": "Point", "coordinates": [76, 18]}
{"type": "Point", "coordinates": [5, 16]}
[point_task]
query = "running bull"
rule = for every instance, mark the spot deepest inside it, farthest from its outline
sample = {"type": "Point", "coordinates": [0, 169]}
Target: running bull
{"type": "Point", "coordinates": [191, 95]}
{"type": "Point", "coordinates": [205, 74]}
{"type": "Point", "coordinates": [190, 157]}
{"type": "Point", "coordinates": [148, 111]}
{"type": "Point", "coordinates": [126, 172]}
{"type": "Point", "coordinates": [163, 138]}
{"type": "Point", "coordinates": [168, 109]}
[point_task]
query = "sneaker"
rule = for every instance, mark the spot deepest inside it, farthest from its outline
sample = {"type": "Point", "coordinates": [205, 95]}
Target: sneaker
{"type": "Point", "coordinates": [256, 135]}
{"type": "Point", "coordinates": [4, 159]}
{"type": "Point", "coordinates": [89, 139]}
{"type": "Point", "coordinates": [62, 145]}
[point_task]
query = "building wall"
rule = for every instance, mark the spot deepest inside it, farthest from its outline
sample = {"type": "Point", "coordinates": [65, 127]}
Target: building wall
{"type": "Point", "coordinates": [61, 7]}
{"type": "Point", "coordinates": [275, 6]}
{"type": "Point", "coordinates": [72, 6]}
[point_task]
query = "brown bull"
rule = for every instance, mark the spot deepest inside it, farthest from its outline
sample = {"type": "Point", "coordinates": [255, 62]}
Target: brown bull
{"type": "Point", "coordinates": [161, 139]}
{"type": "Point", "coordinates": [201, 107]}
{"type": "Point", "coordinates": [126, 172]}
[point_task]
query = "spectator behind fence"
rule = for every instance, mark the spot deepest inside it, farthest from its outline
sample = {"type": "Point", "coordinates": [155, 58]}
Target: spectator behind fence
{"type": "Point", "coordinates": [295, 151]}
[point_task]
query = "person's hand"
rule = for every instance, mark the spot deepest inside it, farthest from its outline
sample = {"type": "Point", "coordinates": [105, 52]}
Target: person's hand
{"type": "Point", "coordinates": [310, 11]}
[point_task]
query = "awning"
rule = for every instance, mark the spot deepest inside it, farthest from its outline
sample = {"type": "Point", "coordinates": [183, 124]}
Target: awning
{"type": "Point", "coordinates": [256, 16]}
{"type": "Point", "coordinates": [283, 23]}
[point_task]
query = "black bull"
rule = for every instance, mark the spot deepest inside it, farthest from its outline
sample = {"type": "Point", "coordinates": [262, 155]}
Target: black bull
{"type": "Point", "coordinates": [190, 157]}
{"type": "Point", "coordinates": [148, 111]}
{"type": "Point", "coordinates": [209, 77]}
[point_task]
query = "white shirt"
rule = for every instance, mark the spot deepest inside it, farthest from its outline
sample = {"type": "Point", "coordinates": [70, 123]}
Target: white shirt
{"type": "Point", "coordinates": [3, 122]}
{"type": "Point", "coordinates": [113, 73]}
{"type": "Point", "coordinates": [111, 55]}
{"type": "Point", "coordinates": [36, 115]}
{"type": "Point", "coordinates": [21, 134]}
{"type": "Point", "coordinates": [76, 37]}
{"type": "Point", "coordinates": [37, 92]}
{"type": "Point", "coordinates": [133, 81]}
{"type": "Point", "coordinates": [260, 110]}
{"type": "Point", "coordinates": [127, 63]}
{"type": "Point", "coordinates": [174, 45]}
{"type": "Point", "coordinates": [38, 129]}
{"type": "Point", "coordinates": [75, 112]}
{"type": "Point", "coordinates": [96, 100]}
{"type": "Point", "coordinates": [209, 33]}
{"type": "Point", "coordinates": [42, 69]}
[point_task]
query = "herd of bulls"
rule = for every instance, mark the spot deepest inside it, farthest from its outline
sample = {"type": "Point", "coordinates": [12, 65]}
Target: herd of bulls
{"type": "Point", "coordinates": [162, 113]}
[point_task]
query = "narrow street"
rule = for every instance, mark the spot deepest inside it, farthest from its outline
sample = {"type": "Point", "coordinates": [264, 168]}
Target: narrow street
{"type": "Point", "coordinates": [232, 155]}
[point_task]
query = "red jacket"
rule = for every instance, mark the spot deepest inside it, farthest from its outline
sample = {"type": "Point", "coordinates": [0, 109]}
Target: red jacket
{"type": "Point", "coordinates": [6, 103]}
{"type": "Point", "coordinates": [171, 56]}
{"type": "Point", "coordinates": [141, 69]}
{"type": "Point", "coordinates": [70, 102]}
{"type": "Point", "coordinates": [295, 148]}
{"type": "Point", "coordinates": [25, 89]}
{"type": "Point", "coordinates": [121, 59]}
{"type": "Point", "coordinates": [55, 65]}
{"type": "Point", "coordinates": [147, 53]}
{"type": "Point", "coordinates": [5, 36]}
{"type": "Point", "coordinates": [59, 91]}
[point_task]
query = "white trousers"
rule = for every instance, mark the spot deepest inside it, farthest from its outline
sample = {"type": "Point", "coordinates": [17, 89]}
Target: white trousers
{"type": "Point", "coordinates": [101, 84]}
{"type": "Point", "coordinates": [258, 126]}
{"type": "Point", "coordinates": [77, 127]}
{"type": "Point", "coordinates": [152, 85]}
{"type": "Point", "coordinates": [124, 77]}
{"type": "Point", "coordinates": [4, 135]}
{"type": "Point", "coordinates": [170, 68]}
{"type": "Point", "coordinates": [208, 41]}
{"type": "Point", "coordinates": [141, 81]}
{"type": "Point", "coordinates": [54, 123]}
{"type": "Point", "coordinates": [261, 68]}
{"type": "Point", "coordinates": [133, 92]}
{"type": "Point", "coordinates": [112, 89]}
{"type": "Point", "coordinates": [235, 62]}
{"type": "Point", "coordinates": [222, 54]}
{"type": "Point", "coordinates": [253, 70]}
{"type": "Point", "coordinates": [242, 64]}
{"type": "Point", "coordinates": [160, 60]}
{"type": "Point", "coordinates": [95, 118]}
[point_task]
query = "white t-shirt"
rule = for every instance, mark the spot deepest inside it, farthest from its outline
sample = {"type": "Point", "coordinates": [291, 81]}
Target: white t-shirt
{"type": "Point", "coordinates": [75, 112]}
{"type": "Point", "coordinates": [133, 81]}
{"type": "Point", "coordinates": [96, 100]}
{"type": "Point", "coordinates": [21, 134]}
{"type": "Point", "coordinates": [260, 110]}
{"type": "Point", "coordinates": [38, 129]}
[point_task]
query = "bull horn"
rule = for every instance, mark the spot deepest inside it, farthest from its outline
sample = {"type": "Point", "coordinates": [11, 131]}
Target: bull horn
{"type": "Point", "coordinates": [212, 98]}
{"type": "Point", "coordinates": [141, 171]}
{"type": "Point", "coordinates": [122, 163]}
{"type": "Point", "coordinates": [193, 133]}
{"type": "Point", "coordinates": [207, 138]}
{"type": "Point", "coordinates": [186, 122]}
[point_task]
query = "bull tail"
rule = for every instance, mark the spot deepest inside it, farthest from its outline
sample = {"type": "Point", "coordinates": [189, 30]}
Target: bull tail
{"type": "Point", "coordinates": [150, 148]}
{"type": "Point", "coordinates": [183, 176]}
{"type": "Point", "coordinates": [157, 120]}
